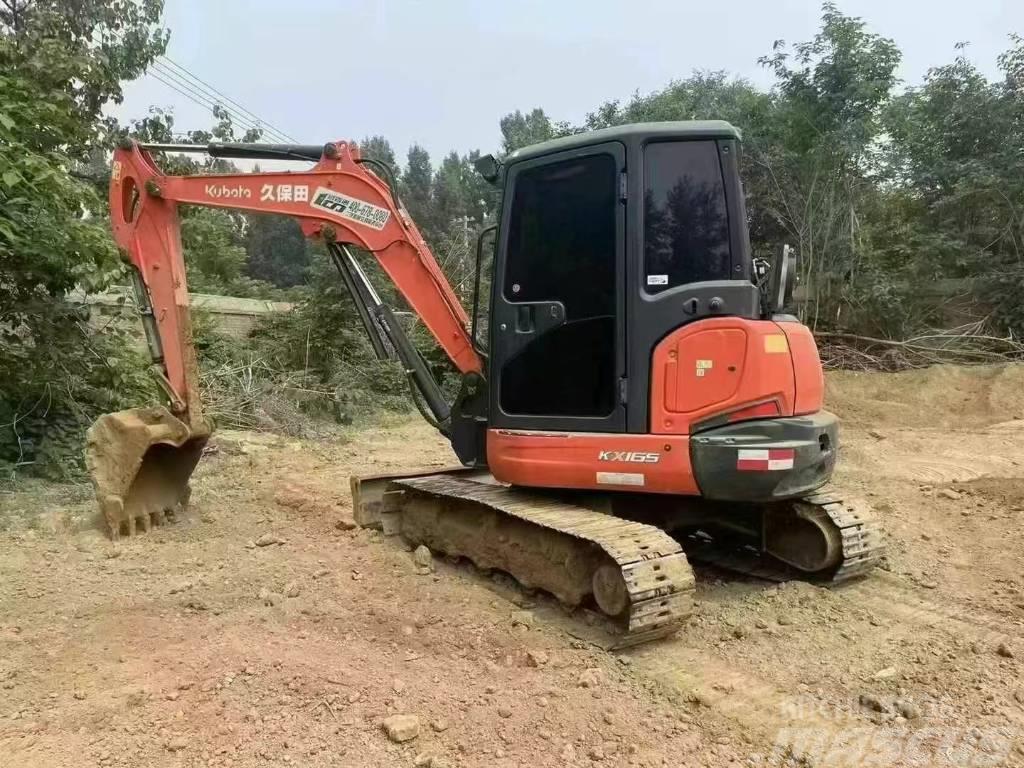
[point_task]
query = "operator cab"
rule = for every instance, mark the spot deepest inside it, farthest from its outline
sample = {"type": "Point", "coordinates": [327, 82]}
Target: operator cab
{"type": "Point", "coordinates": [608, 241]}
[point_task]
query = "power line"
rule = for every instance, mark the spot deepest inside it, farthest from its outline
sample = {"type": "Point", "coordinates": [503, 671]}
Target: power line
{"type": "Point", "coordinates": [214, 95]}
{"type": "Point", "coordinates": [205, 95]}
{"type": "Point", "coordinates": [213, 100]}
{"type": "Point", "coordinates": [229, 100]}
{"type": "Point", "coordinates": [205, 100]}
{"type": "Point", "coordinates": [194, 97]}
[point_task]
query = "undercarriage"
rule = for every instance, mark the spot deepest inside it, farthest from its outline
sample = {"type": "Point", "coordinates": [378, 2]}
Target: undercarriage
{"type": "Point", "coordinates": [627, 554]}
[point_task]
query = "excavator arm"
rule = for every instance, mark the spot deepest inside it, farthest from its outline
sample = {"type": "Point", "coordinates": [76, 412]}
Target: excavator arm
{"type": "Point", "coordinates": [140, 460]}
{"type": "Point", "coordinates": [338, 200]}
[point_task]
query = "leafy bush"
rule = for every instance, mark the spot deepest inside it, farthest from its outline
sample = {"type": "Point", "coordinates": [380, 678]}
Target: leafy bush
{"type": "Point", "coordinates": [59, 63]}
{"type": "Point", "coordinates": [300, 371]}
{"type": "Point", "coordinates": [324, 341]}
{"type": "Point", "coordinates": [55, 379]}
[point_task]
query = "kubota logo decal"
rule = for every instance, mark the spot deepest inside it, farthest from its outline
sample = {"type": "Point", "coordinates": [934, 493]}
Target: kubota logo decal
{"type": "Point", "coordinates": [633, 457]}
{"type": "Point", "coordinates": [224, 192]}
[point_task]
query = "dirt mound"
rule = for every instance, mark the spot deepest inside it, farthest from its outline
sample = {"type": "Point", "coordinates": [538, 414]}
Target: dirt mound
{"type": "Point", "coordinates": [944, 396]}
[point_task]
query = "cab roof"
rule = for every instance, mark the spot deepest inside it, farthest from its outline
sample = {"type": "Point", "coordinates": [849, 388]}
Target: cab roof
{"type": "Point", "coordinates": [631, 133]}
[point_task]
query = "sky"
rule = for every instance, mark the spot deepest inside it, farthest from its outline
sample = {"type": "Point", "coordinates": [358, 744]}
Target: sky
{"type": "Point", "coordinates": [442, 73]}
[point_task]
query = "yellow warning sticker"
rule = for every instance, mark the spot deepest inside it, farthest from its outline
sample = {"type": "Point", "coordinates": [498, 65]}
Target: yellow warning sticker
{"type": "Point", "coordinates": [776, 343]}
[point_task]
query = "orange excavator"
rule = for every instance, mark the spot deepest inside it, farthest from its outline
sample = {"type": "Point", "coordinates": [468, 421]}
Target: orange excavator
{"type": "Point", "coordinates": [633, 398]}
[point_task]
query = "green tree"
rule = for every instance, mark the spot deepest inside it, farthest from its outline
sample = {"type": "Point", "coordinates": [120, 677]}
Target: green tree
{"type": "Point", "coordinates": [78, 51]}
{"type": "Point", "coordinates": [60, 62]}
{"type": "Point", "coordinates": [702, 96]}
{"type": "Point", "coordinates": [378, 148]}
{"type": "Point", "coordinates": [520, 130]}
{"type": "Point", "coordinates": [277, 251]}
{"type": "Point", "coordinates": [213, 259]}
{"type": "Point", "coordinates": [417, 187]}
{"type": "Point", "coordinates": [816, 154]}
{"type": "Point", "coordinates": [956, 168]}
{"type": "Point", "coordinates": [450, 191]}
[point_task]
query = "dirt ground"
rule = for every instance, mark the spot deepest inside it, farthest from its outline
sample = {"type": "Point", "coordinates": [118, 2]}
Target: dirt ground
{"type": "Point", "coordinates": [262, 629]}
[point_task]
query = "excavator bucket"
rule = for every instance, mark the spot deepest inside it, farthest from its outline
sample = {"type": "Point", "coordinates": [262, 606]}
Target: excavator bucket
{"type": "Point", "coordinates": [140, 461]}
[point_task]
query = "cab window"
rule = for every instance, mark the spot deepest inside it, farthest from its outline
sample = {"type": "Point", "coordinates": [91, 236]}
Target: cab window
{"type": "Point", "coordinates": [686, 222]}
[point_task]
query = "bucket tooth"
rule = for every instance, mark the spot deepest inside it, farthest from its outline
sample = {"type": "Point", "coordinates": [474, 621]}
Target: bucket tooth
{"type": "Point", "coordinates": [112, 509]}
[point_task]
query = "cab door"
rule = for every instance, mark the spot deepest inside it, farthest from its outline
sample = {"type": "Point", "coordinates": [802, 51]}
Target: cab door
{"type": "Point", "coordinates": [557, 330]}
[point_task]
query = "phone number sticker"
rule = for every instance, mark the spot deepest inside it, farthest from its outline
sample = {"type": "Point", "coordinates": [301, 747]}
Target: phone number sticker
{"type": "Point", "coordinates": [359, 211]}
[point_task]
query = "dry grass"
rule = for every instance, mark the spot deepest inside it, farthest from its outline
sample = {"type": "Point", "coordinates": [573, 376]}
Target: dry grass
{"type": "Point", "coordinates": [970, 344]}
{"type": "Point", "coordinates": [255, 396]}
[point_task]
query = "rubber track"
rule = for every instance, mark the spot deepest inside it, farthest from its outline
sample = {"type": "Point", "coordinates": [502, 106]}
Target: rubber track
{"type": "Point", "coordinates": [658, 577]}
{"type": "Point", "coordinates": [861, 540]}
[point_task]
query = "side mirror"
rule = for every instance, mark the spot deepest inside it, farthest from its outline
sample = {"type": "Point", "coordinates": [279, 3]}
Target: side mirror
{"type": "Point", "coordinates": [488, 167]}
{"type": "Point", "coordinates": [781, 281]}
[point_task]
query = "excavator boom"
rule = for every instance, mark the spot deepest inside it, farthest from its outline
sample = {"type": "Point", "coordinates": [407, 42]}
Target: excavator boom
{"type": "Point", "coordinates": [141, 459]}
{"type": "Point", "coordinates": [338, 200]}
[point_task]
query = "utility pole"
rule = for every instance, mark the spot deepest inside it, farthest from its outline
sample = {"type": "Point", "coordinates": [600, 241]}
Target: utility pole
{"type": "Point", "coordinates": [465, 229]}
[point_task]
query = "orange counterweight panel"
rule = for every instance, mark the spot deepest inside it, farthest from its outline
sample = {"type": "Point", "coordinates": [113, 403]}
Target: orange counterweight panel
{"type": "Point", "coordinates": [720, 365]}
{"type": "Point", "coordinates": [810, 380]}
{"type": "Point", "coordinates": [598, 461]}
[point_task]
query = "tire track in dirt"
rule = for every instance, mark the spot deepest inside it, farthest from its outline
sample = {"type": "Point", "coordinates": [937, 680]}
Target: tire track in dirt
{"type": "Point", "coordinates": [699, 677]}
{"type": "Point", "coordinates": [829, 726]}
{"type": "Point", "coordinates": [885, 595]}
{"type": "Point", "coordinates": [782, 725]}
{"type": "Point", "coordinates": [937, 458]}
